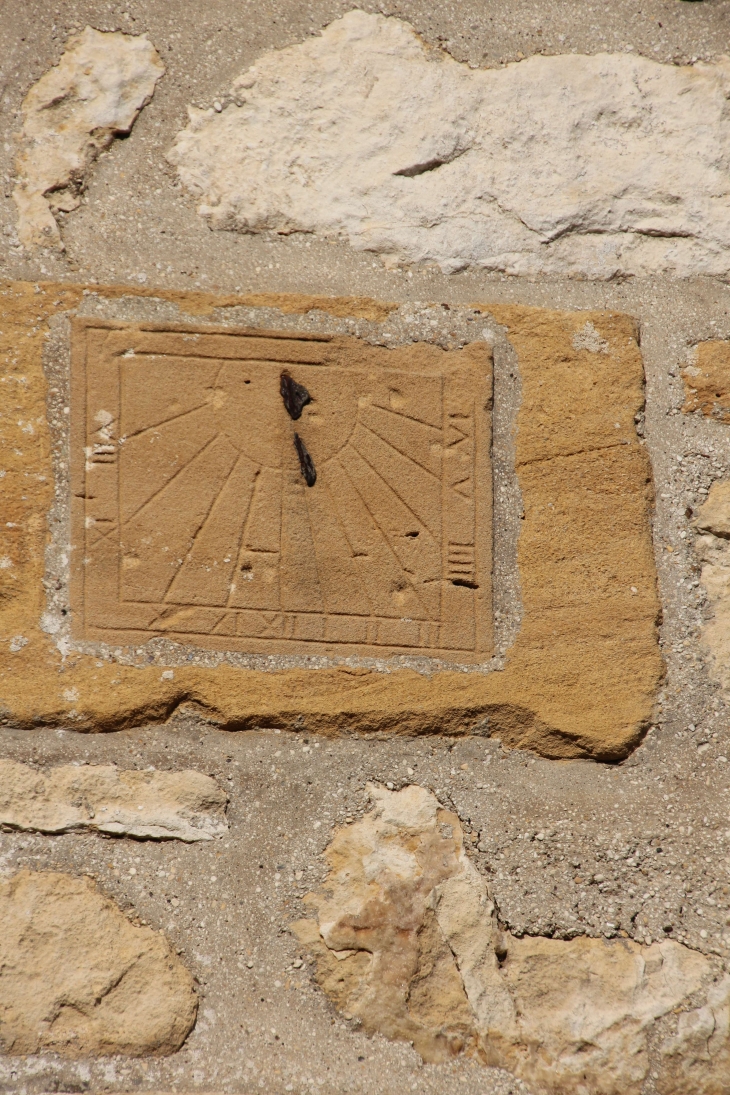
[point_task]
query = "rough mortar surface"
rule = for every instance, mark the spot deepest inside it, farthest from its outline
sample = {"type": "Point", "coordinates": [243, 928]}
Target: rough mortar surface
{"type": "Point", "coordinates": [185, 806]}
{"type": "Point", "coordinates": [562, 165]}
{"type": "Point", "coordinates": [559, 847]}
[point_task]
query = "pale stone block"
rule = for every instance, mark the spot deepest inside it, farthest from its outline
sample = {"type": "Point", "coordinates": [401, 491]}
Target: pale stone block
{"type": "Point", "coordinates": [186, 806]}
{"type": "Point", "coordinates": [70, 115]}
{"type": "Point", "coordinates": [587, 166]}
{"type": "Point", "coordinates": [407, 940]}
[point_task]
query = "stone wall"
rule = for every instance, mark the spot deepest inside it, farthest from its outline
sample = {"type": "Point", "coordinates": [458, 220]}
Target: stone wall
{"type": "Point", "coordinates": [364, 581]}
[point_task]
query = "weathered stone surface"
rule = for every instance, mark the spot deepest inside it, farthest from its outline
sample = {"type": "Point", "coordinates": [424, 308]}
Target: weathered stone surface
{"type": "Point", "coordinates": [70, 115]}
{"type": "Point", "coordinates": [580, 679]}
{"type": "Point", "coordinates": [696, 1058]}
{"type": "Point", "coordinates": [566, 165]}
{"type": "Point", "coordinates": [713, 550]}
{"type": "Point", "coordinates": [407, 940]}
{"type": "Point", "coordinates": [382, 954]}
{"type": "Point", "coordinates": [713, 517]}
{"type": "Point", "coordinates": [707, 381]}
{"type": "Point", "coordinates": [186, 806]}
{"type": "Point", "coordinates": [208, 509]}
{"type": "Point", "coordinates": [77, 978]}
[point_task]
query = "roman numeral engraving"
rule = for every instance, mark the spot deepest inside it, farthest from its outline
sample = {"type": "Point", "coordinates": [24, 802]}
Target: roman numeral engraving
{"type": "Point", "coordinates": [461, 564]}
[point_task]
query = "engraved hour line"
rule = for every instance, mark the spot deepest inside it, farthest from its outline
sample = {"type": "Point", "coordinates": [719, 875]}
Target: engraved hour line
{"type": "Point", "coordinates": [201, 526]}
{"type": "Point", "coordinates": [356, 569]}
{"type": "Point", "coordinates": [214, 386]}
{"type": "Point", "coordinates": [163, 422]}
{"type": "Point", "coordinates": [335, 509]}
{"type": "Point", "coordinates": [375, 471]}
{"type": "Point", "coordinates": [242, 537]}
{"type": "Point", "coordinates": [367, 507]}
{"type": "Point", "coordinates": [165, 485]}
{"type": "Point", "coordinates": [410, 417]}
{"type": "Point", "coordinates": [226, 481]}
{"type": "Point", "coordinates": [172, 479]}
{"type": "Point", "coordinates": [317, 571]}
{"type": "Point", "coordinates": [385, 537]}
{"type": "Point", "coordinates": [405, 455]}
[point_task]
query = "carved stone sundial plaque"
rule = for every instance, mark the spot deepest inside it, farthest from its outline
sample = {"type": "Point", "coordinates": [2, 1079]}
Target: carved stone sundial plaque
{"type": "Point", "coordinates": [268, 492]}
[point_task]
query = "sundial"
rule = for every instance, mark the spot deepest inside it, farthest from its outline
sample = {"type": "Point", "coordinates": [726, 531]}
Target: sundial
{"type": "Point", "coordinates": [270, 492]}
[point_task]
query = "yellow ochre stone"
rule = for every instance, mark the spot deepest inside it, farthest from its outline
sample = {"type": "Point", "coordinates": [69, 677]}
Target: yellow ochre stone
{"type": "Point", "coordinates": [707, 381]}
{"type": "Point", "coordinates": [580, 679]}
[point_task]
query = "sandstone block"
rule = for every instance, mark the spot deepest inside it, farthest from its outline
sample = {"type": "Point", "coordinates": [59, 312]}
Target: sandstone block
{"type": "Point", "coordinates": [366, 134]}
{"type": "Point", "coordinates": [186, 806]}
{"type": "Point", "coordinates": [286, 495]}
{"type": "Point", "coordinates": [70, 115]}
{"type": "Point", "coordinates": [579, 680]}
{"type": "Point", "coordinates": [696, 1059]}
{"type": "Point", "coordinates": [707, 381]}
{"type": "Point", "coordinates": [712, 545]}
{"type": "Point", "coordinates": [77, 978]}
{"type": "Point", "coordinates": [407, 939]}
{"type": "Point", "coordinates": [713, 517]}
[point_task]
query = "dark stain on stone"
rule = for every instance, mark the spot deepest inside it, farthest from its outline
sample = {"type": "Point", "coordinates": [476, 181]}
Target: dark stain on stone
{"type": "Point", "coordinates": [305, 461]}
{"type": "Point", "coordinates": [295, 396]}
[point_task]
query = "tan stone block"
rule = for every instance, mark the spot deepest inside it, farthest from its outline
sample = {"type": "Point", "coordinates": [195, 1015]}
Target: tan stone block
{"type": "Point", "coordinates": [713, 516]}
{"type": "Point", "coordinates": [695, 1058]}
{"type": "Point", "coordinates": [79, 979]}
{"type": "Point", "coordinates": [707, 381]}
{"type": "Point", "coordinates": [712, 546]}
{"type": "Point", "coordinates": [581, 677]}
{"type": "Point", "coordinates": [192, 517]}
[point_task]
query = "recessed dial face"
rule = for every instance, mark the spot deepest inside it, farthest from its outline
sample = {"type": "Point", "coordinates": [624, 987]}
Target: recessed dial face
{"type": "Point", "coordinates": [273, 493]}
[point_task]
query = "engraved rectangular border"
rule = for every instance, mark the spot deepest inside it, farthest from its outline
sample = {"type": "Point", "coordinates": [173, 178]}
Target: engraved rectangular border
{"type": "Point", "coordinates": [323, 640]}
